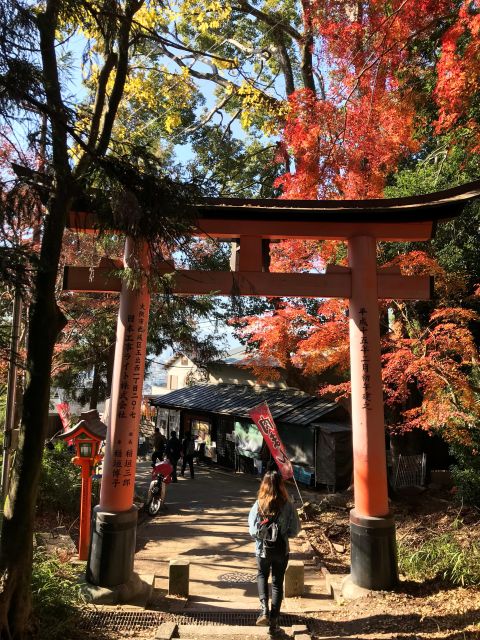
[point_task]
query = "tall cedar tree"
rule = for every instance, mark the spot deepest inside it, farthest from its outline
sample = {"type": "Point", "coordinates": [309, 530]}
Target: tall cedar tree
{"type": "Point", "coordinates": [141, 199]}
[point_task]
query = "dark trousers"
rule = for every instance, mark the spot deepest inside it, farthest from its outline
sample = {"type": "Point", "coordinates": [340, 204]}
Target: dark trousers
{"type": "Point", "coordinates": [277, 565]}
{"type": "Point", "coordinates": [157, 455]}
{"type": "Point", "coordinates": [201, 453]}
{"type": "Point", "coordinates": [174, 462]}
{"type": "Point", "coordinates": [188, 460]}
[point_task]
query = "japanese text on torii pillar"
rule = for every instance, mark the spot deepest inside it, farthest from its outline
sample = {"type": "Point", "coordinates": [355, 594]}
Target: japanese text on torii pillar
{"type": "Point", "coordinates": [130, 399]}
{"type": "Point", "coordinates": [363, 325]}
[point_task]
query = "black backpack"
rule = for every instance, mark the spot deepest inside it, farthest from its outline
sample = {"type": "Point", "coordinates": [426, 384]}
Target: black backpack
{"type": "Point", "coordinates": [273, 541]}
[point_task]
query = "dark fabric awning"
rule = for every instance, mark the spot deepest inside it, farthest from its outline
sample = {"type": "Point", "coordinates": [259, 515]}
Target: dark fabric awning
{"type": "Point", "coordinates": [286, 405]}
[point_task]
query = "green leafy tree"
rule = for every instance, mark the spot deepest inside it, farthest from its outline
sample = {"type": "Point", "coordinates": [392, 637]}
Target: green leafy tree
{"type": "Point", "coordinates": [77, 156]}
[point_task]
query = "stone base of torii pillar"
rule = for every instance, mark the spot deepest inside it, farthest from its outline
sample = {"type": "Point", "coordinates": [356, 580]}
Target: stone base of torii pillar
{"type": "Point", "coordinates": [373, 552]}
{"type": "Point", "coordinates": [112, 548]}
{"type": "Point", "coordinates": [137, 591]}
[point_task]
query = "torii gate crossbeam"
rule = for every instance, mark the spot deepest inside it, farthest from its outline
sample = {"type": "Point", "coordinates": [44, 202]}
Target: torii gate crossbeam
{"type": "Point", "coordinates": [251, 223]}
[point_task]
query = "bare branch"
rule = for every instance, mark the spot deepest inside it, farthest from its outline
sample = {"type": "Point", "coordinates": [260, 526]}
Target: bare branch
{"type": "Point", "coordinates": [206, 119]}
{"type": "Point", "coordinates": [213, 77]}
{"type": "Point", "coordinates": [273, 21]}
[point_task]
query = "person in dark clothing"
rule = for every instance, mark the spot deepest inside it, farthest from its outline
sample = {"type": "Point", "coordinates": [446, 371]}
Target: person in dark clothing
{"type": "Point", "coordinates": [188, 451]}
{"type": "Point", "coordinates": [273, 505]}
{"type": "Point", "coordinates": [159, 444]}
{"type": "Point", "coordinates": [201, 450]}
{"type": "Point", "coordinates": [172, 452]}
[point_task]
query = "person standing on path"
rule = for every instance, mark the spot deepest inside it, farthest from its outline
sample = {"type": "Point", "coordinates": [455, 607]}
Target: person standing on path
{"type": "Point", "coordinates": [188, 451]}
{"type": "Point", "coordinates": [172, 452]}
{"type": "Point", "coordinates": [159, 444]}
{"type": "Point", "coordinates": [201, 448]}
{"type": "Point", "coordinates": [272, 521]}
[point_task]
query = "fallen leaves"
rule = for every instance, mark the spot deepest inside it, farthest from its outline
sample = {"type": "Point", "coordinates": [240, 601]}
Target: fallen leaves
{"type": "Point", "coordinates": [428, 610]}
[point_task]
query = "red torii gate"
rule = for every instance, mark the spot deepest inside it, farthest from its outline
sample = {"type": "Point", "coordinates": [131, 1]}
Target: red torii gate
{"type": "Point", "coordinates": [249, 224]}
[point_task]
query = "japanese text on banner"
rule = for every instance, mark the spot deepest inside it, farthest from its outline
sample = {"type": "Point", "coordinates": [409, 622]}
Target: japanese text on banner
{"type": "Point", "coordinates": [263, 419]}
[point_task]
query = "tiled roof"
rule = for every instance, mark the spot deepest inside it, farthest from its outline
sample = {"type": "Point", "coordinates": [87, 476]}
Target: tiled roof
{"type": "Point", "coordinates": [286, 405]}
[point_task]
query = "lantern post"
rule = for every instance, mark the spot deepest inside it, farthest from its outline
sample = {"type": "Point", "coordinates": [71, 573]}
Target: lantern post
{"type": "Point", "coordinates": [86, 436]}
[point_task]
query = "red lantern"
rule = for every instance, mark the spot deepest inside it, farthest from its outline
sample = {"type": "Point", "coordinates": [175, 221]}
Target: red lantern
{"type": "Point", "coordinates": [87, 436]}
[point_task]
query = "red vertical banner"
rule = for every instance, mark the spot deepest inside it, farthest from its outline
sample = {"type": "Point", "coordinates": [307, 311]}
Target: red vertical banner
{"type": "Point", "coordinates": [63, 409]}
{"type": "Point", "coordinates": [263, 419]}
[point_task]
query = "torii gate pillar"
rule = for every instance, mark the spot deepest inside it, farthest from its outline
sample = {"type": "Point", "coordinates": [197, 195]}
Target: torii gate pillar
{"type": "Point", "coordinates": [112, 548]}
{"type": "Point", "coordinates": [372, 528]}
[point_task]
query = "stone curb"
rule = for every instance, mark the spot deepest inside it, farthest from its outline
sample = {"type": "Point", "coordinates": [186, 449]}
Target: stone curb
{"type": "Point", "coordinates": [298, 632]}
{"type": "Point", "coordinates": [333, 582]}
{"type": "Point", "coordinates": [136, 592]}
{"type": "Point", "coordinates": [166, 631]}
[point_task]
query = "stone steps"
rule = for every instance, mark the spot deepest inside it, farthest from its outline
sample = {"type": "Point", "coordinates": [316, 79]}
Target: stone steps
{"type": "Point", "coordinates": [170, 630]}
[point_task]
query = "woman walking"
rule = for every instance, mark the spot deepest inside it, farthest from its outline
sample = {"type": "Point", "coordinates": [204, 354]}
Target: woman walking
{"type": "Point", "coordinates": [272, 520]}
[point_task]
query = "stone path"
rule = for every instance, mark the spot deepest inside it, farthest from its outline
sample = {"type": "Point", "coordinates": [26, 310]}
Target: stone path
{"type": "Point", "coordinates": [206, 523]}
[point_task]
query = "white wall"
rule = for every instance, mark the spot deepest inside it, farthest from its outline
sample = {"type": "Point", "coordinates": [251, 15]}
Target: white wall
{"type": "Point", "coordinates": [183, 371]}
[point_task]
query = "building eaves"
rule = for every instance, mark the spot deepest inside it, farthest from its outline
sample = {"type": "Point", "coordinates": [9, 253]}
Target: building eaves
{"type": "Point", "coordinates": [309, 412]}
{"type": "Point", "coordinates": [286, 405]}
{"type": "Point", "coordinates": [172, 359]}
{"type": "Point", "coordinates": [333, 427]}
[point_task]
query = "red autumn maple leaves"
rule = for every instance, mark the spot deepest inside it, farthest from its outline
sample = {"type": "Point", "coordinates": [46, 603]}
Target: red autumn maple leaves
{"type": "Point", "coordinates": [345, 141]}
{"type": "Point", "coordinates": [458, 72]}
{"type": "Point", "coordinates": [349, 136]}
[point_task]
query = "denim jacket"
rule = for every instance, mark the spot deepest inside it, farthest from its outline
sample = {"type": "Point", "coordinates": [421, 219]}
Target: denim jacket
{"type": "Point", "coordinates": [288, 525]}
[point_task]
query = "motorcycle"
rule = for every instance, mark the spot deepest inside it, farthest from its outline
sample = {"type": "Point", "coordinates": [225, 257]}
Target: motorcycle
{"type": "Point", "coordinates": [161, 477]}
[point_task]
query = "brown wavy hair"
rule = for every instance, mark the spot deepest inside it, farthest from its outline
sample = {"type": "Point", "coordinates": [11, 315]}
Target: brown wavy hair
{"type": "Point", "coordinates": [272, 494]}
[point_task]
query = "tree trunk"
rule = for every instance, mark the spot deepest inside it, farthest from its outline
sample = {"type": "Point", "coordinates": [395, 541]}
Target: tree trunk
{"type": "Point", "coordinates": [45, 321]}
{"type": "Point", "coordinates": [16, 545]}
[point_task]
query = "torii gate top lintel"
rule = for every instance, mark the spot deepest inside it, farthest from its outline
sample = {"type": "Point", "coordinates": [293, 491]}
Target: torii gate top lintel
{"type": "Point", "coordinates": [435, 201]}
{"type": "Point", "coordinates": [411, 218]}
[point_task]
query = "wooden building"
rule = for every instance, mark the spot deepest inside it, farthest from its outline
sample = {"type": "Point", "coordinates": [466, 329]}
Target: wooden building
{"type": "Point", "coordinates": [316, 434]}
